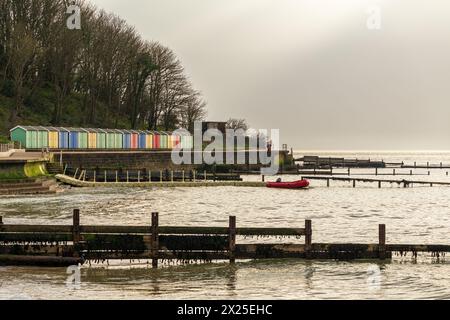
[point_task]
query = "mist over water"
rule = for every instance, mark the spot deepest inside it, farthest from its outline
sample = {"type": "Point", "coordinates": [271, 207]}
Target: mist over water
{"type": "Point", "coordinates": [419, 215]}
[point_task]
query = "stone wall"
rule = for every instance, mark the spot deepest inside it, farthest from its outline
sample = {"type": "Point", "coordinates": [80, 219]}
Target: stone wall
{"type": "Point", "coordinates": [151, 160]}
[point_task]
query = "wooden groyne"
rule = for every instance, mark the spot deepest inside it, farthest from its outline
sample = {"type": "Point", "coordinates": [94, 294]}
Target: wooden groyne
{"type": "Point", "coordinates": [60, 245]}
{"type": "Point", "coordinates": [345, 172]}
{"type": "Point", "coordinates": [161, 184]}
{"type": "Point", "coordinates": [375, 172]}
{"type": "Point", "coordinates": [333, 162]}
{"type": "Point", "coordinates": [428, 165]}
{"type": "Point", "coordinates": [405, 183]}
{"type": "Point", "coordinates": [145, 175]}
{"type": "Point", "coordinates": [311, 162]}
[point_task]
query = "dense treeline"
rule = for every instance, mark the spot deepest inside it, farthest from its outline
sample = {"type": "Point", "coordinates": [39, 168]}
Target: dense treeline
{"type": "Point", "coordinates": [103, 74]}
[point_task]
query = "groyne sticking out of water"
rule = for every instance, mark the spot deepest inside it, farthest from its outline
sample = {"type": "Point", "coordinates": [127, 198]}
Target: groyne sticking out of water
{"type": "Point", "coordinates": [403, 182]}
{"type": "Point", "coordinates": [56, 245]}
{"type": "Point", "coordinates": [163, 184]}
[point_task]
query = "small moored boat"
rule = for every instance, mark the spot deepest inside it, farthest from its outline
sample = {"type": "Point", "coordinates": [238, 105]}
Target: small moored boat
{"type": "Point", "coordinates": [289, 185]}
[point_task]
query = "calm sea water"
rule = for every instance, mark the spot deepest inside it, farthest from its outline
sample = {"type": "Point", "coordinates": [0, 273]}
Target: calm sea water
{"type": "Point", "coordinates": [339, 214]}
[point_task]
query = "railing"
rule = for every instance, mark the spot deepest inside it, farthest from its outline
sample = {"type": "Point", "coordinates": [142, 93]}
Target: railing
{"type": "Point", "coordinates": [146, 175]}
{"type": "Point", "coordinates": [62, 245]}
{"type": "Point", "coordinates": [56, 245]}
{"type": "Point", "coordinates": [5, 147]}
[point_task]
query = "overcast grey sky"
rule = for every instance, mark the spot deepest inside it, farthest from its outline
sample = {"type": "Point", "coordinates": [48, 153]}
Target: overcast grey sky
{"type": "Point", "coordinates": [312, 68]}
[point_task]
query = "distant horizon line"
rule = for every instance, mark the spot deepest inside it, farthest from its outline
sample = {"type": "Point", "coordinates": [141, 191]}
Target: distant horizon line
{"type": "Point", "coordinates": [369, 151]}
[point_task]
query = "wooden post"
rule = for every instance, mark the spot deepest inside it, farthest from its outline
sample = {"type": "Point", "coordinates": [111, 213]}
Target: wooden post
{"type": "Point", "coordinates": [75, 175]}
{"type": "Point", "coordinates": [1, 220]}
{"type": "Point", "coordinates": [429, 172]}
{"type": "Point", "coordinates": [149, 175]}
{"type": "Point", "coordinates": [376, 171]}
{"type": "Point", "coordinates": [415, 164]}
{"type": "Point", "coordinates": [382, 241]}
{"type": "Point", "coordinates": [160, 176]}
{"type": "Point", "coordinates": [379, 184]}
{"type": "Point", "coordinates": [232, 238]}
{"type": "Point", "coordinates": [139, 175]}
{"type": "Point", "coordinates": [117, 177]}
{"type": "Point", "coordinates": [393, 172]}
{"type": "Point", "coordinates": [263, 178]}
{"type": "Point", "coordinates": [76, 230]}
{"type": "Point", "coordinates": [410, 172]}
{"type": "Point", "coordinates": [95, 176]}
{"type": "Point", "coordinates": [76, 225]}
{"type": "Point", "coordinates": [308, 237]}
{"type": "Point", "coordinates": [193, 174]}
{"type": "Point", "coordinates": [204, 176]}
{"type": "Point", "coordinates": [354, 183]}
{"type": "Point", "coordinates": [60, 157]}
{"type": "Point", "coordinates": [128, 176]}
{"type": "Point", "coordinates": [182, 174]}
{"type": "Point", "coordinates": [155, 240]}
{"type": "Point", "coordinates": [428, 164]}
{"type": "Point", "coordinates": [328, 183]}
{"type": "Point", "coordinates": [348, 171]}
{"type": "Point", "coordinates": [105, 177]}
{"type": "Point", "coordinates": [171, 175]}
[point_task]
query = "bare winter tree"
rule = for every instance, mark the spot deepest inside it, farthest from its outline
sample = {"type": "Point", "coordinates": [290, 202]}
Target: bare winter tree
{"type": "Point", "coordinates": [237, 124]}
{"type": "Point", "coordinates": [104, 74]}
{"type": "Point", "coordinates": [63, 54]}
{"type": "Point", "coordinates": [22, 51]}
{"type": "Point", "coordinates": [194, 110]}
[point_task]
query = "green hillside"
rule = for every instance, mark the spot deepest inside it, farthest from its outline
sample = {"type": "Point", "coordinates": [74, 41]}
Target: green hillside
{"type": "Point", "coordinates": [38, 110]}
{"type": "Point", "coordinates": [101, 75]}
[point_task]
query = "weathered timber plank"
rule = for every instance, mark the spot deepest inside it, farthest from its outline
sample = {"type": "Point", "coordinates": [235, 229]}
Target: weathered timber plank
{"type": "Point", "coordinates": [35, 237]}
{"type": "Point", "coordinates": [147, 230]}
{"type": "Point", "coordinates": [418, 247]}
{"type": "Point", "coordinates": [50, 261]}
{"type": "Point", "coordinates": [175, 242]}
{"type": "Point", "coordinates": [35, 228]}
{"type": "Point", "coordinates": [46, 250]}
{"type": "Point", "coordinates": [162, 255]}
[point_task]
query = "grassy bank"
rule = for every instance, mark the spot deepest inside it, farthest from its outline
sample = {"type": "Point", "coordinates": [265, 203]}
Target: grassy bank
{"type": "Point", "coordinates": [38, 110]}
{"type": "Point", "coordinates": [12, 175]}
{"type": "Point", "coordinates": [15, 171]}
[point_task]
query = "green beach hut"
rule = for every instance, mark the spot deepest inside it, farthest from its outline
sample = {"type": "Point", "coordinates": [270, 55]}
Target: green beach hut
{"type": "Point", "coordinates": [110, 138]}
{"type": "Point", "coordinates": [118, 139]}
{"type": "Point", "coordinates": [30, 137]}
{"type": "Point", "coordinates": [101, 138]}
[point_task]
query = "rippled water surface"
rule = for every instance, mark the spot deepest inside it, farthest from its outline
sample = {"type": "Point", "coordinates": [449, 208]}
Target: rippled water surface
{"type": "Point", "coordinates": [340, 214]}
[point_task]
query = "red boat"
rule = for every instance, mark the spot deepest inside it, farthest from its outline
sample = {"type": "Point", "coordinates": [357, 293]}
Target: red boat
{"type": "Point", "coordinates": [289, 185]}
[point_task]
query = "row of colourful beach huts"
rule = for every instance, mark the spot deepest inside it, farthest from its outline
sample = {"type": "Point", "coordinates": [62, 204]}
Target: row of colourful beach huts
{"type": "Point", "coordinates": [38, 137]}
